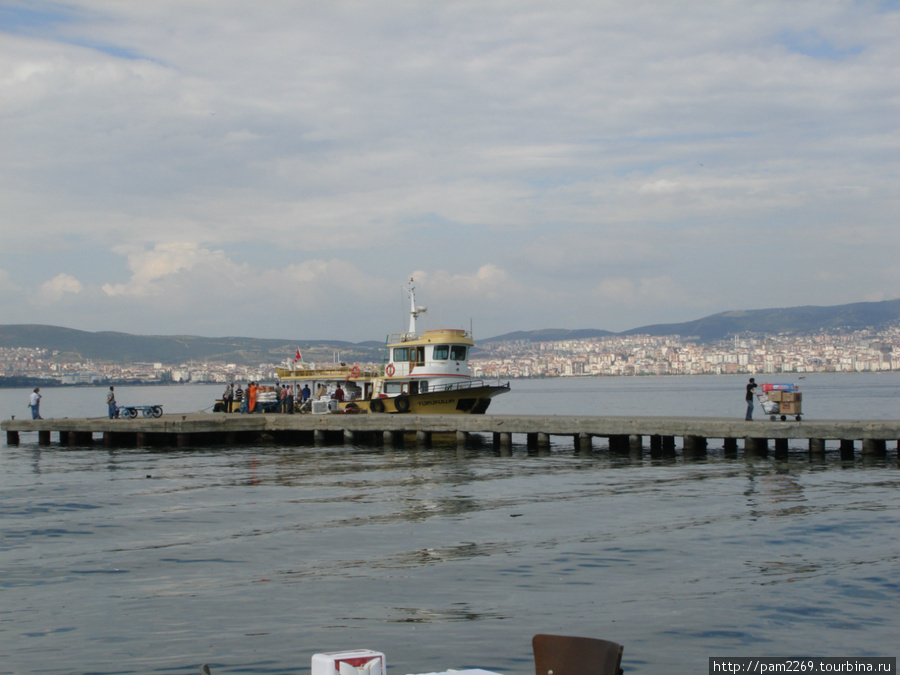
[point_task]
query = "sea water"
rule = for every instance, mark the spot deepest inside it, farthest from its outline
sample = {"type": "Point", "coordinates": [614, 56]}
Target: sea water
{"type": "Point", "coordinates": [252, 559]}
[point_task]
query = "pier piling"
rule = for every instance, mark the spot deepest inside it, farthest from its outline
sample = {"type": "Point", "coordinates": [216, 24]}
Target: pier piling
{"type": "Point", "coordinates": [756, 447]}
{"type": "Point", "coordinates": [847, 449]}
{"type": "Point", "coordinates": [874, 446]}
{"type": "Point", "coordinates": [694, 446]}
{"type": "Point", "coordinates": [781, 448]}
{"type": "Point", "coordinates": [729, 446]}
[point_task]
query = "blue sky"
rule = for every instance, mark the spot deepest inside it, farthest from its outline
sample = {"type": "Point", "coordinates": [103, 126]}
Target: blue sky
{"type": "Point", "coordinates": [279, 169]}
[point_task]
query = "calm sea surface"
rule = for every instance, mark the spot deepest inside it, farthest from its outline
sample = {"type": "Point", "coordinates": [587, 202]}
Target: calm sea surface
{"type": "Point", "coordinates": [252, 559]}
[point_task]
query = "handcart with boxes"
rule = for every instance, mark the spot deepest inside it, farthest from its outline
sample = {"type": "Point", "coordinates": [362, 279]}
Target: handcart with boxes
{"type": "Point", "coordinates": [782, 400]}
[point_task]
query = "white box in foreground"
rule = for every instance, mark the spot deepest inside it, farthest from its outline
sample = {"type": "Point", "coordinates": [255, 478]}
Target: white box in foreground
{"type": "Point", "coordinates": [349, 662]}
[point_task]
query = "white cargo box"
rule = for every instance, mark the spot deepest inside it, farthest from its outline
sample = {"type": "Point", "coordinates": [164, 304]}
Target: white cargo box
{"type": "Point", "coordinates": [350, 662]}
{"type": "Point", "coordinates": [320, 407]}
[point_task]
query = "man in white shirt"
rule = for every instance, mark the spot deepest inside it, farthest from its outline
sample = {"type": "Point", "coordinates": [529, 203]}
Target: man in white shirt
{"type": "Point", "coordinates": [34, 402]}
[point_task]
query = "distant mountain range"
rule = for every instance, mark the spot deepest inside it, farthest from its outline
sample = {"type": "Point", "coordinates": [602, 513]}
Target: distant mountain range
{"type": "Point", "coordinates": [77, 345]}
{"type": "Point", "coordinates": [790, 320]}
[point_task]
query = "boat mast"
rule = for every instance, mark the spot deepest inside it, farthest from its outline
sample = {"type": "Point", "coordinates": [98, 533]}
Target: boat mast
{"type": "Point", "coordinates": [413, 310]}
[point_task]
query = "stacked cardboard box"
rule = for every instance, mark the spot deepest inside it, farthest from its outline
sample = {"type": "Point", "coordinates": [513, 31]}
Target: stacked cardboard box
{"type": "Point", "coordinates": [784, 396]}
{"type": "Point", "coordinates": [790, 407]}
{"type": "Point", "coordinates": [787, 397]}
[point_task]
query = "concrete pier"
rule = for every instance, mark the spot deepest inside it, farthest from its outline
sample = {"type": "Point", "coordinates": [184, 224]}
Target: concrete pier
{"type": "Point", "coordinates": [626, 435]}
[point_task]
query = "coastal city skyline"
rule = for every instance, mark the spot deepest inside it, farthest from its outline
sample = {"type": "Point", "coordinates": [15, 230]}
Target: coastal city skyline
{"type": "Point", "coordinates": [225, 168]}
{"type": "Point", "coordinates": [856, 351]}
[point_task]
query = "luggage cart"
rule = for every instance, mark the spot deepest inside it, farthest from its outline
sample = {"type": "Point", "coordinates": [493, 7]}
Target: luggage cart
{"type": "Point", "coordinates": [131, 411]}
{"type": "Point", "coordinates": [782, 401]}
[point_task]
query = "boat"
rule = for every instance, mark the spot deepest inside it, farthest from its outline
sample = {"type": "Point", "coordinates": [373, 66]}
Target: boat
{"type": "Point", "coordinates": [424, 373]}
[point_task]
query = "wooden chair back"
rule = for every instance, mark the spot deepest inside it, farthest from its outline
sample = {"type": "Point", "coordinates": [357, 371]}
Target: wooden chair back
{"type": "Point", "coordinates": [566, 655]}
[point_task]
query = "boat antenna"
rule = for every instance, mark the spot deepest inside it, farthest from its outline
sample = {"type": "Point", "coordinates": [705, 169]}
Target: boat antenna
{"type": "Point", "coordinates": [413, 310]}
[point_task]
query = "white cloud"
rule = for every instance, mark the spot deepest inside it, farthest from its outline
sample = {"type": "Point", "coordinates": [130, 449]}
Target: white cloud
{"type": "Point", "coordinates": [531, 159]}
{"type": "Point", "coordinates": [7, 287]}
{"type": "Point", "coordinates": [661, 186]}
{"type": "Point", "coordinates": [153, 271]}
{"type": "Point", "coordinates": [488, 280]}
{"type": "Point", "coordinates": [177, 270]}
{"type": "Point", "coordinates": [653, 291]}
{"type": "Point", "coordinates": [57, 288]}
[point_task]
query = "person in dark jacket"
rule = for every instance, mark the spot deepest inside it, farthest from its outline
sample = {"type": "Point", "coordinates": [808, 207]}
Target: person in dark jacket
{"type": "Point", "coordinates": [751, 385]}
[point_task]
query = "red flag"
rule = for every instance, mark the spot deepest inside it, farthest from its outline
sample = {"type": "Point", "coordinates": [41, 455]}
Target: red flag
{"type": "Point", "coordinates": [298, 357]}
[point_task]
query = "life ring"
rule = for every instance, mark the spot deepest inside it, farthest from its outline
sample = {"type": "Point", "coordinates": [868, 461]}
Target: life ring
{"type": "Point", "coordinates": [389, 371]}
{"type": "Point", "coordinates": [377, 405]}
{"type": "Point", "coordinates": [355, 371]}
{"type": "Point", "coordinates": [402, 404]}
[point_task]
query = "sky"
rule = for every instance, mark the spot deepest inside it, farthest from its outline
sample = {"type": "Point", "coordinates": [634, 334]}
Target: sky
{"type": "Point", "coordinates": [281, 168]}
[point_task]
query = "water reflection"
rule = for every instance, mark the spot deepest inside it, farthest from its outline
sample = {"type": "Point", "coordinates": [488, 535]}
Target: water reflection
{"type": "Point", "coordinates": [457, 612]}
{"type": "Point", "coordinates": [786, 571]}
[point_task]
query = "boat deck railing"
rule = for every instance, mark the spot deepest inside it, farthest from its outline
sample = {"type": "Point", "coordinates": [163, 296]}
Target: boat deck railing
{"type": "Point", "coordinates": [470, 383]}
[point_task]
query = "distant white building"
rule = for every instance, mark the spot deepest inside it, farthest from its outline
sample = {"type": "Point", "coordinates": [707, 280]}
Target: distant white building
{"type": "Point", "coordinates": [79, 378]}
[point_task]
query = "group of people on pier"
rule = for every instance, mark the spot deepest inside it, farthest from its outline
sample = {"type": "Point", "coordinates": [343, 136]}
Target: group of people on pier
{"type": "Point", "coordinates": [287, 399]}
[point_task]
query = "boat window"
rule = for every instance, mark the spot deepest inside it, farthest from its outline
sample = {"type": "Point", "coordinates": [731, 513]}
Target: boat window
{"type": "Point", "coordinates": [441, 352]}
{"type": "Point", "coordinates": [458, 352]}
{"type": "Point", "coordinates": [394, 387]}
{"type": "Point", "coordinates": [401, 353]}
{"type": "Point", "coordinates": [423, 386]}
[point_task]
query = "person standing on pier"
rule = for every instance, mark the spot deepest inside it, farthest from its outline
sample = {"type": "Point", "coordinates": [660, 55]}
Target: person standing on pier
{"type": "Point", "coordinates": [228, 396]}
{"type": "Point", "coordinates": [244, 407]}
{"type": "Point", "coordinates": [290, 399]}
{"type": "Point", "coordinates": [751, 385]}
{"type": "Point", "coordinates": [34, 402]}
{"type": "Point", "coordinates": [111, 403]}
{"type": "Point", "coordinates": [251, 395]}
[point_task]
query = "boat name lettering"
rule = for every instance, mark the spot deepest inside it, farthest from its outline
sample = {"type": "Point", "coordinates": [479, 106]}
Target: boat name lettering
{"type": "Point", "coordinates": [438, 401]}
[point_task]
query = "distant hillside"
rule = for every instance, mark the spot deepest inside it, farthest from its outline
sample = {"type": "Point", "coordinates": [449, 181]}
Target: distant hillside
{"type": "Point", "coordinates": [78, 345]}
{"type": "Point", "coordinates": [550, 335]}
{"type": "Point", "coordinates": [791, 320]}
